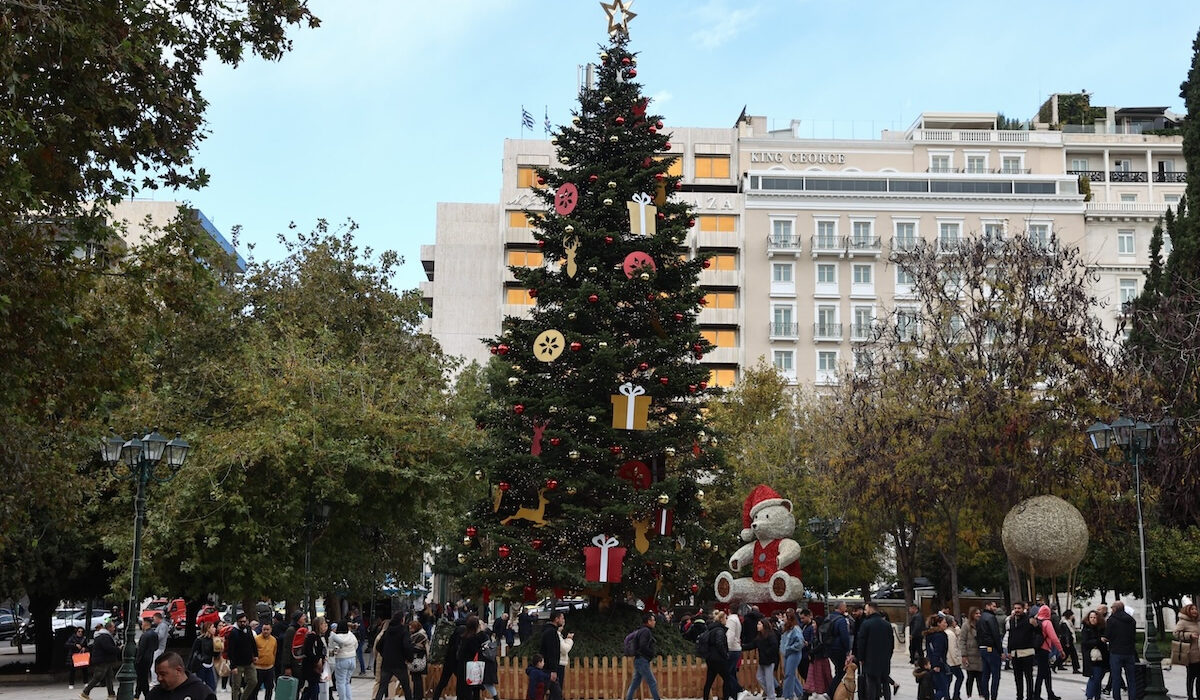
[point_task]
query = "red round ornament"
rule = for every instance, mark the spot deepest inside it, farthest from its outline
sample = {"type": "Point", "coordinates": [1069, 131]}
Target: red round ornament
{"type": "Point", "coordinates": [706, 264]}
{"type": "Point", "coordinates": [541, 180]}
{"type": "Point", "coordinates": [504, 486]}
{"type": "Point", "coordinates": [663, 380]}
{"type": "Point", "coordinates": [608, 240]}
{"type": "Point", "coordinates": [679, 185]}
{"type": "Point", "coordinates": [667, 146]}
{"type": "Point", "coordinates": [503, 551]}
{"type": "Point", "coordinates": [533, 294]}
{"type": "Point", "coordinates": [492, 349]}
{"type": "Point", "coordinates": [615, 449]}
{"type": "Point", "coordinates": [695, 588]}
{"type": "Point", "coordinates": [691, 388]}
{"type": "Point", "coordinates": [541, 244]}
{"type": "Point", "coordinates": [551, 484]}
{"type": "Point", "coordinates": [519, 409]}
{"type": "Point", "coordinates": [472, 531]}
{"type": "Point", "coordinates": [703, 301]}
{"type": "Point", "coordinates": [647, 162]}
{"type": "Point", "coordinates": [625, 61]}
{"type": "Point", "coordinates": [576, 346]}
{"type": "Point", "coordinates": [620, 121]}
{"type": "Point", "coordinates": [659, 124]}
{"type": "Point", "coordinates": [649, 297]}
{"type": "Point", "coordinates": [662, 216]}
{"type": "Point", "coordinates": [703, 386]}
{"type": "Point", "coordinates": [555, 441]}
{"type": "Point", "coordinates": [652, 130]}
{"type": "Point", "coordinates": [691, 223]}
{"type": "Point", "coordinates": [644, 366]}
{"type": "Point", "coordinates": [678, 317]}
{"type": "Point", "coordinates": [697, 348]}
{"type": "Point", "coordinates": [592, 178]}
{"type": "Point", "coordinates": [592, 298]}
{"type": "Point", "coordinates": [659, 176]}
{"type": "Point", "coordinates": [632, 72]}
{"type": "Point", "coordinates": [502, 349]}
{"type": "Point", "coordinates": [536, 544]}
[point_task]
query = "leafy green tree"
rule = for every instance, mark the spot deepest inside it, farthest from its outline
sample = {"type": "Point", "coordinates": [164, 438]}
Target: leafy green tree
{"type": "Point", "coordinates": [551, 476]}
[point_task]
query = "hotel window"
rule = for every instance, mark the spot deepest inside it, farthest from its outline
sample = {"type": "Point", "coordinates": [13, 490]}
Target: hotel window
{"type": "Point", "coordinates": [939, 163]}
{"type": "Point", "coordinates": [826, 273]}
{"type": "Point", "coordinates": [993, 231]}
{"type": "Point", "coordinates": [517, 297]}
{"type": "Point", "coordinates": [1128, 196]}
{"type": "Point", "coordinates": [712, 166]}
{"type": "Point", "coordinates": [1039, 235]}
{"type": "Point", "coordinates": [1125, 245]}
{"type": "Point", "coordinates": [948, 235]}
{"type": "Point", "coordinates": [518, 219]}
{"type": "Point", "coordinates": [781, 272]}
{"type": "Point", "coordinates": [826, 234]}
{"type": "Point", "coordinates": [721, 338]}
{"type": "Point", "coordinates": [976, 163]}
{"type": "Point", "coordinates": [862, 274]}
{"type": "Point", "coordinates": [1012, 165]}
{"type": "Point", "coordinates": [906, 324]}
{"type": "Point", "coordinates": [525, 258]}
{"type": "Point", "coordinates": [1127, 291]}
{"type": "Point", "coordinates": [784, 361]}
{"type": "Point", "coordinates": [906, 235]}
{"type": "Point", "coordinates": [1171, 200]}
{"type": "Point", "coordinates": [781, 231]}
{"type": "Point", "coordinates": [722, 377]}
{"type": "Point", "coordinates": [861, 234]}
{"type": "Point", "coordinates": [722, 223]}
{"type": "Point", "coordinates": [721, 300]}
{"type": "Point", "coordinates": [723, 261]}
{"type": "Point", "coordinates": [1122, 165]}
{"type": "Point", "coordinates": [1079, 164]}
{"type": "Point", "coordinates": [864, 319]}
{"type": "Point", "coordinates": [827, 325]}
{"type": "Point", "coordinates": [675, 169]}
{"type": "Point", "coordinates": [827, 365]}
{"type": "Point", "coordinates": [904, 278]}
{"type": "Point", "coordinates": [527, 176]}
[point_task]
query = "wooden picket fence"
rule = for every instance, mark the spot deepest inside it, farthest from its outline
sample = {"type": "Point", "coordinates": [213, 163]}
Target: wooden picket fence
{"type": "Point", "coordinates": [606, 678]}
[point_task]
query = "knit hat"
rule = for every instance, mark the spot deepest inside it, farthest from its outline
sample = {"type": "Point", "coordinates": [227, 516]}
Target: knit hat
{"type": "Point", "coordinates": [761, 497]}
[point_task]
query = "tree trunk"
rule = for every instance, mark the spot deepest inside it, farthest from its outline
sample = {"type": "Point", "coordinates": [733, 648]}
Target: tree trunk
{"type": "Point", "coordinates": [1014, 583]}
{"type": "Point", "coordinates": [41, 607]}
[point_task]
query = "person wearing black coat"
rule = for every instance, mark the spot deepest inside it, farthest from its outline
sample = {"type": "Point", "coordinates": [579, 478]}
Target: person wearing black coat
{"type": "Point", "coordinates": [767, 645]}
{"type": "Point", "coordinates": [874, 644]}
{"type": "Point", "coordinates": [1092, 639]}
{"type": "Point", "coordinates": [1119, 631]}
{"type": "Point", "coordinates": [143, 659]}
{"type": "Point", "coordinates": [449, 661]}
{"type": "Point", "coordinates": [76, 644]}
{"type": "Point", "coordinates": [716, 656]}
{"type": "Point", "coordinates": [473, 639]}
{"type": "Point", "coordinates": [314, 660]}
{"type": "Point", "coordinates": [1021, 650]}
{"type": "Point", "coordinates": [551, 648]}
{"type": "Point", "coordinates": [395, 651]}
{"type": "Point", "coordinates": [916, 635]}
{"type": "Point", "coordinates": [989, 639]}
{"type": "Point", "coordinates": [106, 657]}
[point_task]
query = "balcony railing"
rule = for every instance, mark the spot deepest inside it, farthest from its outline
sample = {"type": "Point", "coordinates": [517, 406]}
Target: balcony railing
{"type": "Point", "coordinates": [905, 245]}
{"type": "Point", "coordinates": [1093, 175]}
{"type": "Point", "coordinates": [1170, 177]}
{"type": "Point", "coordinates": [828, 244]}
{"type": "Point", "coordinates": [827, 331]}
{"type": "Point", "coordinates": [949, 245]}
{"type": "Point", "coordinates": [862, 244]}
{"type": "Point", "coordinates": [784, 330]}
{"type": "Point", "coordinates": [1013, 171]}
{"type": "Point", "coordinates": [783, 242]}
{"type": "Point", "coordinates": [1128, 176]}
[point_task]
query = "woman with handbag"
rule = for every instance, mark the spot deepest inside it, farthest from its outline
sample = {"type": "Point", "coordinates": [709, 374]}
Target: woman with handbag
{"type": "Point", "coordinates": [202, 656]}
{"type": "Point", "coordinates": [420, 661]}
{"type": "Point", "coordinates": [968, 647]}
{"type": "Point", "coordinates": [1095, 653]}
{"type": "Point", "coordinates": [1187, 633]}
{"type": "Point", "coordinates": [76, 644]}
{"type": "Point", "coordinates": [470, 660]}
{"type": "Point", "coordinates": [343, 650]}
{"type": "Point", "coordinates": [312, 667]}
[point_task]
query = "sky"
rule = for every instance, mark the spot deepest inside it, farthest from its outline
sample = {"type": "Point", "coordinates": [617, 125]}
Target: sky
{"type": "Point", "coordinates": [392, 106]}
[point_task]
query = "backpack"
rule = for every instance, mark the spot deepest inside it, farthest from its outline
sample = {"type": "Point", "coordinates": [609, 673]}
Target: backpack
{"type": "Point", "coordinates": [702, 645]}
{"type": "Point", "coordinates": [823, 637]}
{"type": "Point", "coordinates": [1039, 637]}
{"type": "Point", "coordinates": [629, 646]}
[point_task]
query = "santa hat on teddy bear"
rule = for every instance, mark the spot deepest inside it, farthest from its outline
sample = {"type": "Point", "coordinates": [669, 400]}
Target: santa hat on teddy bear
{"type": "Point", "coordinates": [761, 497]}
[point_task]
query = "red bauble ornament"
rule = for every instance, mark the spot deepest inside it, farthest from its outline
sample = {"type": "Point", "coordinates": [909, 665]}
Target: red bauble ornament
{"type": "Point", "coordinates": [615, 449]}
{"type": "Point", "coordinates": [659, 176]}
{"type": "Point", "coordinates": [556, 441]}
{"type": "Point", "coordinates": [663, 380]}
{"type": "Point", "coordinates": [502, 349]}
{"type": "Point", "coordinates": [703, 301]}
{"type": "Point", "coordinates": [536, 544]}
{"type": "Point", "coordinates": [608, 240]}
{"type": "Point", "coordinates": [679, 185]}
{"type": "Point", "coordinates": [592, 298]}
{"type": "Point", "coordinates": [551, 484]}
{"type": "Point", "coordinates": [472, 531]}
{"type": "Point", "coordinates": [649, 297]}
{"type": "Point", "coordinates": [504, 486]}
{"type": "Point", "coordinates": [533, 294]}
{"type": "Point", "coordinates": [592, 178]}
{"type": "Point", "coordinates": [691, 388]}
{"type": "Point", "coordinates": [541, 180]}
{"type": "Point", "coordinates": [625, 61]}
{"type": "Point", "coordinates": [678, 317]}
{"type": "Point", "coordinates": [644, 366]}
{"type": "Point", "coordinates": [691, 223]}
{"type": "Point", "coordinates": [620, 121]}
{"type": "Point", "coordinates": [662, 216]}
{"type": "Point", "coordinates": [653, 130]}
{"type": "Point", "coordinates": [519, 409]}
{"type": "Point", "coordinates": [697, 348]}
{"type": "Point", "coordinates": [667, 146]}
{"type": "Point", "coordinates": [694, 588]}
{"type": "Point", "coordinates": [706, 264]}
{"type": "Point", "coordinates": [492, 349]}
{"type": "Point", "coordinates": [576, 346]}
{"type": "Point", "coordinates": [503, 551]}
{"type": "Point", "coordinates": [632, 72]}
{"type": "Point", "coordinates": [703, 386]}
{"type": "Point", "coordinates": [659, 125]}
{"type": "Point", "coordinates": [647, 162]}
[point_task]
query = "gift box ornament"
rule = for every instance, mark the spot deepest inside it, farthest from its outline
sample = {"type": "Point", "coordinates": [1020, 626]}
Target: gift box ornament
{"type": "Point", "coordinates": [630, 407]}
{"type": "Point", "coordinates": [604, 560]}
{"type": "Point", "coordinates": [642, 215]}
{"type": "Point", "coordinates": [664, 521]}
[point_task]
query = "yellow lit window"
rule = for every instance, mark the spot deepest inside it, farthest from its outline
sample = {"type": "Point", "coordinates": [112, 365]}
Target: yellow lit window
{"type": "Point", "coordinates": [721, 300]}
{"type": "Point", "coordinates": [722, 377]}
{"type": "Point", "coordinates": [517, 219]}
{"type": "Point", "coordinates": [720, 338]}
{"type": "Point", "coordinates": [675, 169]}
{"type": "Point", "coordinates": [712, 166]}
{"type": "Point", "coordinates": [520, 297]}
{"type": "Point", "coordinates": [527, 176]}
{"type": "Point", "coordinates": [724, 223]}
{"type": "Point", "coordinates": [525, 258]}
{"type": "Point", "coordinates": [724, 261]}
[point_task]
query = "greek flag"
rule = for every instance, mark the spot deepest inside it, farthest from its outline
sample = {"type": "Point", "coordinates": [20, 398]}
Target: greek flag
{"type": "Point", "coordinates": [526, 119]}
{"type": "Point", "coordinates": [547, 122]}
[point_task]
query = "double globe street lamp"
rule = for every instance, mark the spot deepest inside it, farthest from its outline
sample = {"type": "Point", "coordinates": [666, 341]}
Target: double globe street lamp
{"type": "Point", "coordinates": [825, 529]}
{"type": "Point", "coordinates": [139, 460]}
{"type": "Point", "coordinates": [1136, 439]}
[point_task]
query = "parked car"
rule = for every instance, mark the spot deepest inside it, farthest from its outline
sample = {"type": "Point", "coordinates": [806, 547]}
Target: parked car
{"type": "Point", "coordinates": [74, 617]}
{"type": "Point", "coordinates": [173, 611]}
{"type": "Point", "coordinates": [541, 609]}
{"type": "Point", "coordinates": [9, 625]}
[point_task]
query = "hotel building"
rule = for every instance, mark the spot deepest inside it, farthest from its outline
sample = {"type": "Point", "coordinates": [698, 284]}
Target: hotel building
{"type": "Point", "coordinates": [800, 230]}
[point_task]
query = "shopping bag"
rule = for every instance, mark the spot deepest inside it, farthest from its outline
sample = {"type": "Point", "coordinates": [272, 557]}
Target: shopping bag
{"type": "Point", "coordinates": [81, 659]}
{"type": "Point", "coordinates": [475, 671]}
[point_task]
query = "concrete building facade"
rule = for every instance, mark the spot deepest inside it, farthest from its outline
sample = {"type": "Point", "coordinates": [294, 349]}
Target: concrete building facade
{"type": "Point", "coordinates": [800, 230]}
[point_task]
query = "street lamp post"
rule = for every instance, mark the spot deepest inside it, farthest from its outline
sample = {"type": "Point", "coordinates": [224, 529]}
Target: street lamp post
{"type": "Point", "coordinates": [316, 513]}
{"type": "Point", "coordinates": [142, 459]}
{"type": "Point", "coordinates": [1135, 439]}
{"type": "Point", "coordinates": [825, 529]}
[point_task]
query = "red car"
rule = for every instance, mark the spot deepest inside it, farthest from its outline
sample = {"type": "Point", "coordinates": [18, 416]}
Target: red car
{"type": "Point", "coordinates": [174, 611]}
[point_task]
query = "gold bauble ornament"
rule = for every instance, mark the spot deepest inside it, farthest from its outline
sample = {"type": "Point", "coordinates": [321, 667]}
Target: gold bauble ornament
{"type": "Point", "coordinates": [462, 558]}
{"type": "Point", "coordinates": [516, 368]}
{"type": "Point", "coordinates": [553, 409]}
{"type": "Point", "coordinates": [513, 381]}
{"type": "Point", "coordinates": [554, 139]}
{"type": "Point", "coordinates": [571, 316]}
{"type": "Point", "coordinates": [706, 544]}
{"type": "Point", "coordinates": [478, 475]}
{"type": "Point", "coordinates": [699, 495]}
{"type": "Point", "coordinates": [713, 442]}
{"type": "Point", "coordinates": [573, 454]}
{"type": "Point", "coordinates": [508, 585]}
{"type": "Point", "coordinates": [612, 185]}
{"type": "Point", "coordinates": [576, 121]}
{"type": "Point", "coordinates": [569, 228]}
{"type": "Point", "coordinates": [564, 159]}
{"type": "Point", "coordinates": [645, 276]}
{"type": "Point", "coordinates": [607, 100]}
{"type": "Point", "coordinates": [663, 499]}
{"type": "Point", "coordinates": [602, 344]}
{"type": "Point", "coordinates": [607, 202]}
{"type": "Point", "coordinates": [603, 55]}
{"type": "Point", "coordinates": [715, 548]}
{"type": "Point", "coordinates": [467, 541]}
{"type": "Point", "coordinates": [591, 419]}
{"type": "Point", "coordinates": [507, 333]}
{"type": "Point", "coordinates": [670, 451]}
{"type": "Point", "coordinates": [593, 269]}
{"type": "Point", "coordinates": [571, 490]}
{"type": "Point", "coordinates": [614, 138]}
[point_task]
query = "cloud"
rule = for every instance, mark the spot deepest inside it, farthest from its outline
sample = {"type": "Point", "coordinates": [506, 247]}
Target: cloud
{"type": "Point", "coordinates": [719, 23]}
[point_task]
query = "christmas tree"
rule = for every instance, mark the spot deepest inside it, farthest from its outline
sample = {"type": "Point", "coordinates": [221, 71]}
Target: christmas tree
{"type": "Point", "coordinates": [595, 428]}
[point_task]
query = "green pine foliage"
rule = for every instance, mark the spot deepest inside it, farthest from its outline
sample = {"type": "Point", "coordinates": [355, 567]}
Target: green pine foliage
{"type": "Point", "coordinates": [638, 328]}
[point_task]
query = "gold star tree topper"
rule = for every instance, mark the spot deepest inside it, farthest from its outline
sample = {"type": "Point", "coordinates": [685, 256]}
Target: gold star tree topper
{"type": "Point", "coordinates": [615, 9]}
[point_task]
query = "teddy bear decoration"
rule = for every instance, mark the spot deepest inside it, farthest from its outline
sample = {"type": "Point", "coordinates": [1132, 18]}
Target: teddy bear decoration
{"type": "Point", "coordinates": [770, 555]}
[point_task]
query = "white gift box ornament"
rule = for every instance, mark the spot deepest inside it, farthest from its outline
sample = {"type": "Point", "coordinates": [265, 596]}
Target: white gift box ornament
{"type": "Point", "coordinates": [603, 562]}
{"type": "Point", "coordinates": [642, 215]}
{"type": "Point", "coordinates": [630, 407]}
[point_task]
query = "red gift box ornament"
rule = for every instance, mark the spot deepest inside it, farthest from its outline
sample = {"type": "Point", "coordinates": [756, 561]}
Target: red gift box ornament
{"type": "Point", "coordinates": [636, 473]}
{"type": "Point", "coordinates": [604, 560]}
{"type": "Point", "coordinates": [664, 521]}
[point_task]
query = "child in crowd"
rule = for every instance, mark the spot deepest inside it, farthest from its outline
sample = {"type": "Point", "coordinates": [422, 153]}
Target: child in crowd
{"type": "Point", "coordinates": [541, 682]}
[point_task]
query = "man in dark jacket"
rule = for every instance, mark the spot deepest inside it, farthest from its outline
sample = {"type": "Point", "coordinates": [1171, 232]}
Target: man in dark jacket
{"type": "Point", "coordinates": [143, 660]}
{"type": "Point", "coordinates": [1119, 630]}
{"type": "Point", "coordinates": [242, 652]}
{"type": "Point", "coordinates": [175, 683]}
{"type": "Point", "coordinates": [286, 664]}
{"type": "Point", "coordinates": [644, 653]}
{"type": "Point", "coordinates": [839, 646]}
{"type": "Point", "coordinates": [916, 635]}
{"type": "Point", "coordinates": [874, 644]}
{"type": "Point", "coordinates": [1065, 628]}
{"type": "Point", "coordinates": [450, 661]}
{"type": "Point", "coordinates": [395, 651]}
{"type": "Point", "coordinates": [989, 637]}
{"type": "Point", "coordinates": [750, 627]}
{"type": "Point", "coordinates": [1021, 650]}
{"type": "Point", "coordinates": [551, 648]}
{"type": "Point", "coordinates": [525, 626]}
{"type": "Point", "coordinates": [106, 657]}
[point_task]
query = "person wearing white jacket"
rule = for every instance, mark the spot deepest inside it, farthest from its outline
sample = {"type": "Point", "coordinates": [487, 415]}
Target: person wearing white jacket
{"type": "Point", "coordinates": [564, 650]}
{"type": "Point", "coordinates": [954, 655]}
{"type": "Point", "coordinates": [343, 650]}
